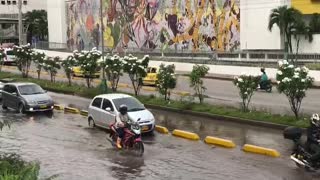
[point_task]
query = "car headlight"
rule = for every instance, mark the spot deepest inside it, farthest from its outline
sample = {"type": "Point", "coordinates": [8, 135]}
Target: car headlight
{"type": "Point", "coordinates": [32, 102]}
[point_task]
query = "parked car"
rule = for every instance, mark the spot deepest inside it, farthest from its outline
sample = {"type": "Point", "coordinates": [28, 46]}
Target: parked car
{"type": "Point", "coordinates": [10, 58]}
{"type": "Point", "coordinates": [151, 78]}
{"type": "Point", "coordinates": [77, 72]}
{"type": "Point", "coordinates": [26, 97]}
{"type": "Point", "coordinates": [104, 108]}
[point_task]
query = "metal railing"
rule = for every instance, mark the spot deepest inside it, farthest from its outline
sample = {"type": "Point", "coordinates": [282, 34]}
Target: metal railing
{"type": "Point", "coordinates": [258, 56]}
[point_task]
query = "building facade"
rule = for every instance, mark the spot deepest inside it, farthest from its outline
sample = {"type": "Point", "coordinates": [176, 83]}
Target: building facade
{"type": "Point", "coordinates": [173, 25]}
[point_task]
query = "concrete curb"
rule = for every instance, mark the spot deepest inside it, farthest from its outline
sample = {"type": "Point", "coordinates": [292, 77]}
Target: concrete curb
{"type": "Point", "coordinates": [221, 118]}
{"type": "Point", "coordinates": [182, 93]}
{"type": "Point", "coordinates": [220, 142]}
{"type": "Point", "coordinates": [84, 113]}
{"type": "Point", "coordinates": [58, 107]}
{"type": "Point", "coordinates": [71, 110]}
{"type": "Point", "coordinates": [260, 150]}
{"type": "Point", "coordinates": [186, 134]}
{"type": "Point", "coordinates": [161, 129]}
{"type": "Point", "coordinates": [146, 88]}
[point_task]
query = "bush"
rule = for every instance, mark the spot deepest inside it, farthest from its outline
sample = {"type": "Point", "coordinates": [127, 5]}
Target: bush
{"type": "Point", "coordinates": [166, 80]}
{"type": "Point", "coordinates": [293, 82]}
{"type": "Point", "coordinates": [24, 58]}
{"type": "Point", "coordinates": [198, 72]}
{"type": "Point", "coordinates": [51, 65]}
{"type": "Point", "coordinates": [247, 84]}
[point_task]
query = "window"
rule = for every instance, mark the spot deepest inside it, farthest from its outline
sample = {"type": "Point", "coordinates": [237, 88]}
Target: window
{"type": "Point", "coordinates": [9, 2]}
{"type": "Point", "coordinates": [14, 2]}
{"type": "Point", "coordinates": [30, 89]}
{"type": "Point", "coordinates": [3, 2]}
{"type": "Point", "coordinates": [97, 102]}
{"type": "Point", "coordinates": [9, 89]}
{"type": "Point", "coordinates": [107, 104]}
{"type": "Point", "coordinates": [132, 103]}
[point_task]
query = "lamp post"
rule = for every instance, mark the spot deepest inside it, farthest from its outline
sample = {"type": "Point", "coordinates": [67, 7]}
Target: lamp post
{"type": "Point", "coordinates": [103, 85]}
{"type": "Point", "coordinates": [20, 22]}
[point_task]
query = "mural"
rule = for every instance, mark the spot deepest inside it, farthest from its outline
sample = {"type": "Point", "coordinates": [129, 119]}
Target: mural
{"type": "Point", "coordinates": [189, 25]}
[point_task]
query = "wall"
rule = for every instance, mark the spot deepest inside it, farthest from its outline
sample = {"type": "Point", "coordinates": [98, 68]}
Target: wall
{"type": "Point", "coordinates": [57, 22]}
{"type": "Point", "coordinates": [254, 33]}
{"type": "Point", "coordinates": [307, 6]}
{"type": "Point", "coordinates": [32, 4]}
{"type": "Point", "coordinates": [306, 47]}
{"type": "Point", "coordinates": [188, 25]}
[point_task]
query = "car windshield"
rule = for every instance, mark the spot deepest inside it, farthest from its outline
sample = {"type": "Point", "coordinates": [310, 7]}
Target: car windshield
{"type": "Point", "coordinates": [132, 103]}
{"type": "Point", "coordinates": [30, 89]}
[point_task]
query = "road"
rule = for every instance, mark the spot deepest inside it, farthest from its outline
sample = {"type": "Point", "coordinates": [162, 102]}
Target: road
{"type": "Point", "coordinates": [66, 147]}
{"type": "Point", "coordinates": [221, 92]}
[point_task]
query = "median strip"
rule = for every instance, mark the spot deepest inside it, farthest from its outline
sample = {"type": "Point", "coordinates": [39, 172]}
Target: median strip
{"type": "Point", "coordinates": [220, 142]}
{"type": "Point", "coordinates": [84, 113]}
{"type": "Point", "coordinates": [149, 88]}
{"type": "Point", "coordinates": [181, 93]}
{"type": "Point", "coordinates": [185, 134]}
{"type": "Point", "coordinates": [162, 129]}
{"type": "Point", "coordinates": [260, 150]}
{"type": "Point", "coordinates": [122, 85]}
{"type": "Point", "coordinates": [71, 110]}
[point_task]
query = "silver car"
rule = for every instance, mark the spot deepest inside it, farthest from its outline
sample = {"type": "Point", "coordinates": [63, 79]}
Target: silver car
{"type": "Point", "coordinates": [25, 97]}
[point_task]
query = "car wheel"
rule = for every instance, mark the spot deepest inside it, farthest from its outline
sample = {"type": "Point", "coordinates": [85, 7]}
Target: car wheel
{"type": "Point", "coordinates": [91, 122]}
{"type": "Point", "coordinates": [21, 109]}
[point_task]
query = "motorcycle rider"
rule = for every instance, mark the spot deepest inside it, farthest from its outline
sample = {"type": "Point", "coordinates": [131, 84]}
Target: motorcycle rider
{"type": "Point", "coordinates": [313, 139]}
{"type": "Point", "coordinates": [121, 120]}
{"type": "Point", "coordinates": [263, 79]}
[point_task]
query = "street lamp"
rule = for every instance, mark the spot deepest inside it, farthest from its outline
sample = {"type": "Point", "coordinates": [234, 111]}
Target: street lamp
{"type": "Point", "coordinates": [104, 85]}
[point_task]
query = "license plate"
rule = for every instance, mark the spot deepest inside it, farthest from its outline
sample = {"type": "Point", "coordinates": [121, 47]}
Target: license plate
{"type": "Point", "coordinates": [145, 128]}
{"type": "Point", "coordinates": [43, 106]}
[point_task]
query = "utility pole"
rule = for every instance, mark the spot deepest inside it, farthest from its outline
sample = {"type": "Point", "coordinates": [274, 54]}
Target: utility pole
{"type": "Point", "coordinates": [20, 22]}
{"type": "Point", "coordinates": [104, 85]}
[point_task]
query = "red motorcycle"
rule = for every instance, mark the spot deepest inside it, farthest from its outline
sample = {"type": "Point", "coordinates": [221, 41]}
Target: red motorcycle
{"type": "Point", "coordinates": [132, 137]}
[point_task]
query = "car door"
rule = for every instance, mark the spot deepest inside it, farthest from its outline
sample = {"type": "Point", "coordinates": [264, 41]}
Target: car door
{"type": "Point", "coordinates": [15, 97]}
{"type": "Point", "coordinates": [108, 115]}
{"type": "Point", "coordinates": [95, 110]}
{"type": "Point", "coordinates": [7, 95]}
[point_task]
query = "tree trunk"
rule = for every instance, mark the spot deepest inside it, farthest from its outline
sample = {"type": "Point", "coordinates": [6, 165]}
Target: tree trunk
{"type": "Point", "coordinates": [69, 80]}
{"type": "Point", "coordinates": [88, 82]}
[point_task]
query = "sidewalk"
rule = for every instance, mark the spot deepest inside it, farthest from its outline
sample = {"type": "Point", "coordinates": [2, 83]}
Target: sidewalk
{"type": "Point", "coordinates": [225, 72]}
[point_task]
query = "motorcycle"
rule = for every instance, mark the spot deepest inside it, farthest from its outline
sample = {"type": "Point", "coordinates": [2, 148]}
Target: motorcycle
{"type": "Point", "coordinates": [301, 152]}
{"type": "Point", "coordinates": [267, 86]}
{"type": "Point", "coordinates": [132, 137]}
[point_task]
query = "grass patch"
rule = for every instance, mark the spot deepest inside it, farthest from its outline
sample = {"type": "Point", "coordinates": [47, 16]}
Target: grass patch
{"type": "Point", "coordinates": [62, 87]}
{"type": "Point", "coordinates": [314, 66]}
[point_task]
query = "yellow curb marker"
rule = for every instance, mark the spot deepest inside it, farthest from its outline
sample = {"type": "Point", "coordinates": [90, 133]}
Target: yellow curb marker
{"type": "Point", "coordinates": [182, 93]}
{"type": "Point", "coordinates": [161, 129]}
{"type": "Point", "coordinates": [71, 110]}
{"type": "Point", "coordinates": [220, 142]}
{"type": "Point", "coordinates": [58, 107]}
{"type": "Point", "coordinates": [260, 150]}
{"type": "Point", "coordinates": [149, 88]}
{"type": "Point", "coordinates": [186, 134]}
{"type": "Point", "coordinates": [84, 113]}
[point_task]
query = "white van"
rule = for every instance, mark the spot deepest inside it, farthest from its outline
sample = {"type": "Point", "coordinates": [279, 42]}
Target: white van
{"type": "Point", "coordinates": [10, 58]}
{"type": "Point", "coordinates": [104, 108]}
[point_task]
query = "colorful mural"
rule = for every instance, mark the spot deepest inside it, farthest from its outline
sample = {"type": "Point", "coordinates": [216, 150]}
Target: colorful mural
{"type": "Point", "coordinates": [191, 25]}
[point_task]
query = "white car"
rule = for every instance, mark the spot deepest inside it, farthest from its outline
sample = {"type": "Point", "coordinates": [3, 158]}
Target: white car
{"type": "Point", "coordinates": [1, 89]}
{"type": "Point", "coordinates": [10, 58]}
{"type": "Point", "coordinates": [104, 108]}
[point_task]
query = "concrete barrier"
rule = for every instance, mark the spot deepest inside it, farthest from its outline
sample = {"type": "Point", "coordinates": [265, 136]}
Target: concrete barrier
{"type": "Point", "coordinates": [84, 113]}
{"type": "Point", "coordinates": [220, 142]}
{"type": "Point", "coordinates": [58, 107]}
{"type": "Point", "coordinates": [161, 129]}
{"type": "Point", "coordinates": [71, 110]}
{"type": "Point", "coordinates": [260, 150]}
{"type": "Point", "coordinates": [185, 134]}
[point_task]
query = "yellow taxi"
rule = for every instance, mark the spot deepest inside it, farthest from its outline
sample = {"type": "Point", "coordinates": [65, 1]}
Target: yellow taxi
{"type": "Point", "coordinates": [77, 72]}
{"type": "Point", "coordinates": [151, 78]}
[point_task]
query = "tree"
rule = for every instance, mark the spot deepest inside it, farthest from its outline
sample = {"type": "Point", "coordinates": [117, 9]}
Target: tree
{"type": "Point", "coordinates": [24, 59]}
{"type": "Point", "coordinates": [166, 80]}
{"type": "Point", "coordinates": [51, 66]}
{"type": "Point", "coordinates": [293, 82]}
{"type": "Point", "coordinates": [284, 18]}
{"type": "Point", "coordinates": [67, 65]}
{"type": "Point", "coordinates": [38, 24]}
{"type": "Point", "coordinates": [314, 23]}
{"type": "Point", "coordinates": [113, 68]}
{"type": "Point", "coordinates": [198, 72]}
{"type": "Point", "coordinates": [136, 69]}
{"type": "Point", "coordinates": [247, 84]}
{"type": "Point", "coordinates": [2, 56]}
{"type": "Point", "coordinates": [88, 61]}
{"type": "Point", "coordinates": [38, 58]}
{"type": "Point", "coordinates": [298, 29]}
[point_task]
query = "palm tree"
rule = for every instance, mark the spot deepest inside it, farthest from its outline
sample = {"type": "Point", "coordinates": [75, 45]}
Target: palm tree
{"type": "Point", "coordinates": [284, 18]}
{"type": "Point", "coordinates": [298, 30]}
{"type": "Point", "coordinates": [315, 23]}
{"type": "Point", "coordinates": [38, 24]}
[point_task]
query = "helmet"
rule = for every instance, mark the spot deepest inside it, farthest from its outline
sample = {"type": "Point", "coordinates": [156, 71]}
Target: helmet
{"type": "Point", "coordinates": [315, 120]}
{"type": "Point", "coordinates": [123, 109]}
{"type": "Point", "coordinates": [262, 69]}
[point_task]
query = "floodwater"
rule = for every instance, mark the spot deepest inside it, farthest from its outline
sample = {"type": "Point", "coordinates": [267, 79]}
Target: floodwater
{"type": "Point", "coordinates": [66, 147]}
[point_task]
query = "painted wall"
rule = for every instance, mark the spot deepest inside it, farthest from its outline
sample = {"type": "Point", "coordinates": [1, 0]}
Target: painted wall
{"type": "Point", "coordinates": [189, 25]}
{"type": "Point", "coordinates": [254, 25]}
{"type": "Point", "coordinates": [57, 23]}
{"type": "Point", "coordinates": [307, 6]}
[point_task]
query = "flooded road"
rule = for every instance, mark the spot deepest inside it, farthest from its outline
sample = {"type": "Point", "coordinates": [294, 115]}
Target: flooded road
{"type": "Point", "coordinates": [65, 146]}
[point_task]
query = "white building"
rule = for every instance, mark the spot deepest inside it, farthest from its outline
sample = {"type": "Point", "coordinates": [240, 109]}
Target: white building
{"type": "Point", "coordinates": [11, 6]}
